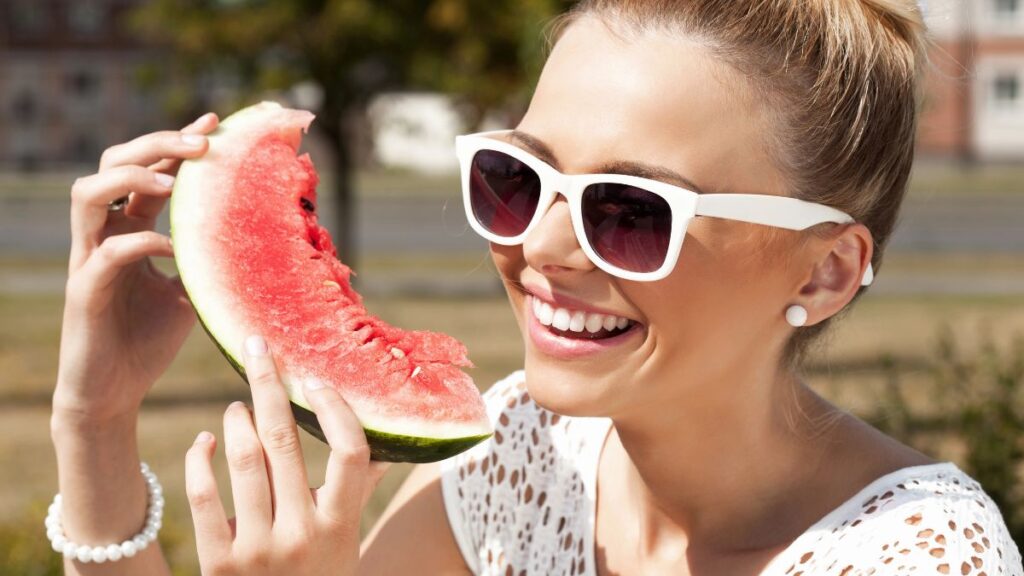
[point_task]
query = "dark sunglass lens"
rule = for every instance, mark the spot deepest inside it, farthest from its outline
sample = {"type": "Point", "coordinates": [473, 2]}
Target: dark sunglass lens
{"type": "Point", "coordinates": [627, 226]}
{"type": "Point", "coordinates": [503, 192]}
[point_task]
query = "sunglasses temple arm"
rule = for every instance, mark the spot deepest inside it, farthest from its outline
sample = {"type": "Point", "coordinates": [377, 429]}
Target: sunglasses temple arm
{"type": "Point", "coordinates": [781, 211]}
{"type": "Point", "coordinates": [869, 276]}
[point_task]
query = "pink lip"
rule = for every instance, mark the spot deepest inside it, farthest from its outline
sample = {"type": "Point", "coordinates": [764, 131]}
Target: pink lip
{"type": "Point", "coordinates": [570, 348]}
{"type": "Point", "coordinates": [563, 301]}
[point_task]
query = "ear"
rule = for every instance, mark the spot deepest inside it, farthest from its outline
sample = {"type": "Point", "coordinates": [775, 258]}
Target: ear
{"type": "Point", "coordinates": [837, 274]}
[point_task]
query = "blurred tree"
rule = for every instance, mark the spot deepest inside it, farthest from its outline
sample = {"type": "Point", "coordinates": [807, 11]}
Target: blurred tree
{"type": "Point", "coordinates": [975, 402]}
{"type": "Point", "coordinates": [486, 54]}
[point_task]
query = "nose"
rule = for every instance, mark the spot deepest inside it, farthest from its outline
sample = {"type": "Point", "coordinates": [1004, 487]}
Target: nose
{"type": "Point", "coordinates": [551, 246]}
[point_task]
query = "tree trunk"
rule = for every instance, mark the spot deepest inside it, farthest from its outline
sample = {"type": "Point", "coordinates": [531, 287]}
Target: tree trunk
{"type": "Point", "coordinates": [344, 202]}
{"type": "Point", "coordinates": [336, 127]}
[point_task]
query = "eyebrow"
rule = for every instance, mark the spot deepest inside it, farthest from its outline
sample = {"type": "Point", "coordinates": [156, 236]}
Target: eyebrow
{"type": "Point", "coordinates": [625, 167]}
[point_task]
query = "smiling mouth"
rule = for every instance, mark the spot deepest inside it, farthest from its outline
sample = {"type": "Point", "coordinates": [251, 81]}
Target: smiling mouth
{"type": "Point", "coordinates": [577, 324]}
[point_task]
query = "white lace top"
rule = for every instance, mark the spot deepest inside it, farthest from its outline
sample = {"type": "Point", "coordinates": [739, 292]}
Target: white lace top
{"type": "Point", "coordinates": [523, 502]}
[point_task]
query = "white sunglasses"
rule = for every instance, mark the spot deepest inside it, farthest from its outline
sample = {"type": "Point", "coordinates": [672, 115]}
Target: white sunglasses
{"type": "Point", "coordinates": [630, 227]}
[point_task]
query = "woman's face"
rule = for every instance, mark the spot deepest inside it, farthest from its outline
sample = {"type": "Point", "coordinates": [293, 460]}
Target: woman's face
{"type": "Point", "coordinates": [660, 101]}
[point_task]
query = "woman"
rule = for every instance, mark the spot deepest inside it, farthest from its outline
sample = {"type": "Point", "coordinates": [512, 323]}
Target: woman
{"type": "Point", "coordinates": [709, 454]}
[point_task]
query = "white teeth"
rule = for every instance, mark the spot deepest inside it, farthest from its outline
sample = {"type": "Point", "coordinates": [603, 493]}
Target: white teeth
{"type": "Point", "coordinates": [578, 321]}
{"type": "Point", "coordinates": [561, 319]}
{"type": "Point", "coordinates": [575, 320]}
{"type": "Point", "coordinates": [609, 323]}
{"type": "Point", "coordinates": [543, 312]}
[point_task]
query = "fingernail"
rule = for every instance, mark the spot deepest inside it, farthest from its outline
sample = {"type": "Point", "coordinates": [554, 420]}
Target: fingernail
{"type": "Point", "coordinates": [193, 139]}
{"type": "Point", "coordinates": [238, 404]}
{"type": "Point", "coordinates": [204, 437]}
{"type": "Point", "coordinates": [165, 180]}
{"type": "Point", "coordinates": [313, 384]}
{"type": "Point", "coordinates": [256, 346]}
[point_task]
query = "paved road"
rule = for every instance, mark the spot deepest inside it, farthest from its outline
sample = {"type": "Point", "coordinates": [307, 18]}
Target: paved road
{"type": "Point", "coordinates": [428, 225]}
{"type": "Point", "coordinates": [438, 225]}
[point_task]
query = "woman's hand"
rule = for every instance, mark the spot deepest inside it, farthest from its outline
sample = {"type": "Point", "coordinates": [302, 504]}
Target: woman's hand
{"type": "Point", "coordinates": [281, 526]}
{"type": "Point", "coordinates": [124, 321]}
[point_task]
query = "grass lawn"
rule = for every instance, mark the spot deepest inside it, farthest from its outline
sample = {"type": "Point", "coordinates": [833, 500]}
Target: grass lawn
{"type": "Point", "coordinates": [193, 394]}
{"type": "Point", "coordinates": [949, 178]}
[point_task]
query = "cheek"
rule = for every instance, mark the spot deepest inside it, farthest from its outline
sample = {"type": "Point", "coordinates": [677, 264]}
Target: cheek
{"type": "Point", "coordinates": [728, 256]}
{"type": "Point", "coordinates": [724, 284]}
{"type": "Point", "coordinates": [509, 262]}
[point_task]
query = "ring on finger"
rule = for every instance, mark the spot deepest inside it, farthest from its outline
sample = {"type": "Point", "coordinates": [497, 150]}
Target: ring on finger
{"type": "Point", "coordinates": [117, 205]}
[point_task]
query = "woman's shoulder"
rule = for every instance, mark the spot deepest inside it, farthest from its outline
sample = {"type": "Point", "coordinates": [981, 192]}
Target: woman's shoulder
{"type": "Point", "coordinates": [930, 518]}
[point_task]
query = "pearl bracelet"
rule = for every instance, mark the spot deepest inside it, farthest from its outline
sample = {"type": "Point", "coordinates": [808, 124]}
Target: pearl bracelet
{"type": "Point", "coordinates": [113, 552]}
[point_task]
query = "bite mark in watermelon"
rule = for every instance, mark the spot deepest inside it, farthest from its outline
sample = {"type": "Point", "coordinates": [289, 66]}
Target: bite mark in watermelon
{"type": "Point", "coordinates": [254, 260]}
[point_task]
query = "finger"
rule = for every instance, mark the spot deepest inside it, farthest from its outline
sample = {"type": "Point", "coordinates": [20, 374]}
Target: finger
{"type": "Point", "coordinates": [153, 147]}
{"type": "Point", "coordinates": [376, 473]}
{"type": "Point", "coordinates": [278, 433]}
{"type": "Point", "coordinates": [146, 207]}
{"type": "Point", "coordinates": [340, 500]}
{"type": "Point", "coordinates": [178, 286]}
{"type": "Point", "coordinates": [91, 195]}
{"type": "Point", "coordinates": [150, 206]}
{"type": "Point", "coordinates": [248, 470]}
{"type": "Point", "coordinates": [102, 268]}
{"type": "Point", "coordinates": [213, 533]}
{"type": "Point", "coordinates": [203, 125]}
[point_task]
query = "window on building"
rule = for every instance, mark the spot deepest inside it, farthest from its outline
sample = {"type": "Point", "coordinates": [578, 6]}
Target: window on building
{"type": "Point", "coordinates": [28, 18]}
{"type": "Point", "coordinates": [83, 148]}
{"type": "Point", "coordinates": [24, 109]}
{"type": "Point", "coordinates": [83, 83]}
{"type": "Point", "coordinates": [1007, 8]}
{"type": "Point", "coordinates": [85, 18]}
{"type": "Point", "coordinates": [1006, 90]}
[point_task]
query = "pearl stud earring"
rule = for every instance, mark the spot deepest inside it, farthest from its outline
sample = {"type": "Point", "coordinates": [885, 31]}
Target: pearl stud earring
{"type": "Point", "coordinates": [796, 315]}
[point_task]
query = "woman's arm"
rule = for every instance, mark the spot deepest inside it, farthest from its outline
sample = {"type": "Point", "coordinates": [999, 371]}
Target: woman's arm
{"type": "Point", "coordinates": [104, 495]}
{"type": "Point", "coordinates": [124, 321]}
{"type": "Point", "coordinates": [413, 536]}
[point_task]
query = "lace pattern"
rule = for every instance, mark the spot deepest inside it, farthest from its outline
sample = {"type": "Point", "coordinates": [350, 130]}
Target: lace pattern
{"type": "Point", "coordinates": [522, 503]}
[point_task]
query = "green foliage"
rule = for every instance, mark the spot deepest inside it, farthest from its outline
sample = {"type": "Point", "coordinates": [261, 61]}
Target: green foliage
{"type": "Point", "coordinates": [977, 402]}
{"type": "Point", "coordinates": [486, 53]}
{"type": "Point", "coordinates": [983, 394]}
{"type": "Point", "coordinates": [229, 52]}
{"type": "Point", "coordinates": [25, 551]}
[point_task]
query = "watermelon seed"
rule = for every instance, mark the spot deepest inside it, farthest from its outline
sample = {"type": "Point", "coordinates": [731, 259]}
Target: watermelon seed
{"type": "Point", "coordinates": [306, 204]}
{"type": "Point", "coordinates": [415, 372]}
{"type": "Point", "coordinates": [332, 284]}
{"type": "Point", "coordinates": [397, 353]}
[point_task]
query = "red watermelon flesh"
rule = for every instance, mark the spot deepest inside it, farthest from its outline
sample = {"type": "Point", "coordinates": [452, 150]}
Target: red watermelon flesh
{"type": "Point", "coordinates": [269, 268]}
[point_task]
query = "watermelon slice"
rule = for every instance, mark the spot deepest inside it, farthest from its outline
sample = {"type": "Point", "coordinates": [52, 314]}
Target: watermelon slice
{"type": "Point", "coordinates": [254, 260]}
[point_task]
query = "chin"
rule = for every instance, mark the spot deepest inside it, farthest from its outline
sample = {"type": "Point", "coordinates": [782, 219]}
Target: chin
{"type": "Point", "coordinates": [563, 388]}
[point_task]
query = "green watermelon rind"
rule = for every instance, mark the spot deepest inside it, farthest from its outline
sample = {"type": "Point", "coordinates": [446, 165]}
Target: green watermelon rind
{"type": "Point", "coordinates": [384, 446]}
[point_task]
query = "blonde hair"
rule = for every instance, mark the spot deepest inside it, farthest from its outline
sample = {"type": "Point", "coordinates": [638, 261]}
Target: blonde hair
{"type": "Point", "coordinates": [842, 82]}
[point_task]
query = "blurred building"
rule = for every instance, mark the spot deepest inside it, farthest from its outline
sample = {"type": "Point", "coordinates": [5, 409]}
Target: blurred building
{"type": "Point", "coordinates": [72, 81]}
{"type": "Point", "coordinates": [975, 106]}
